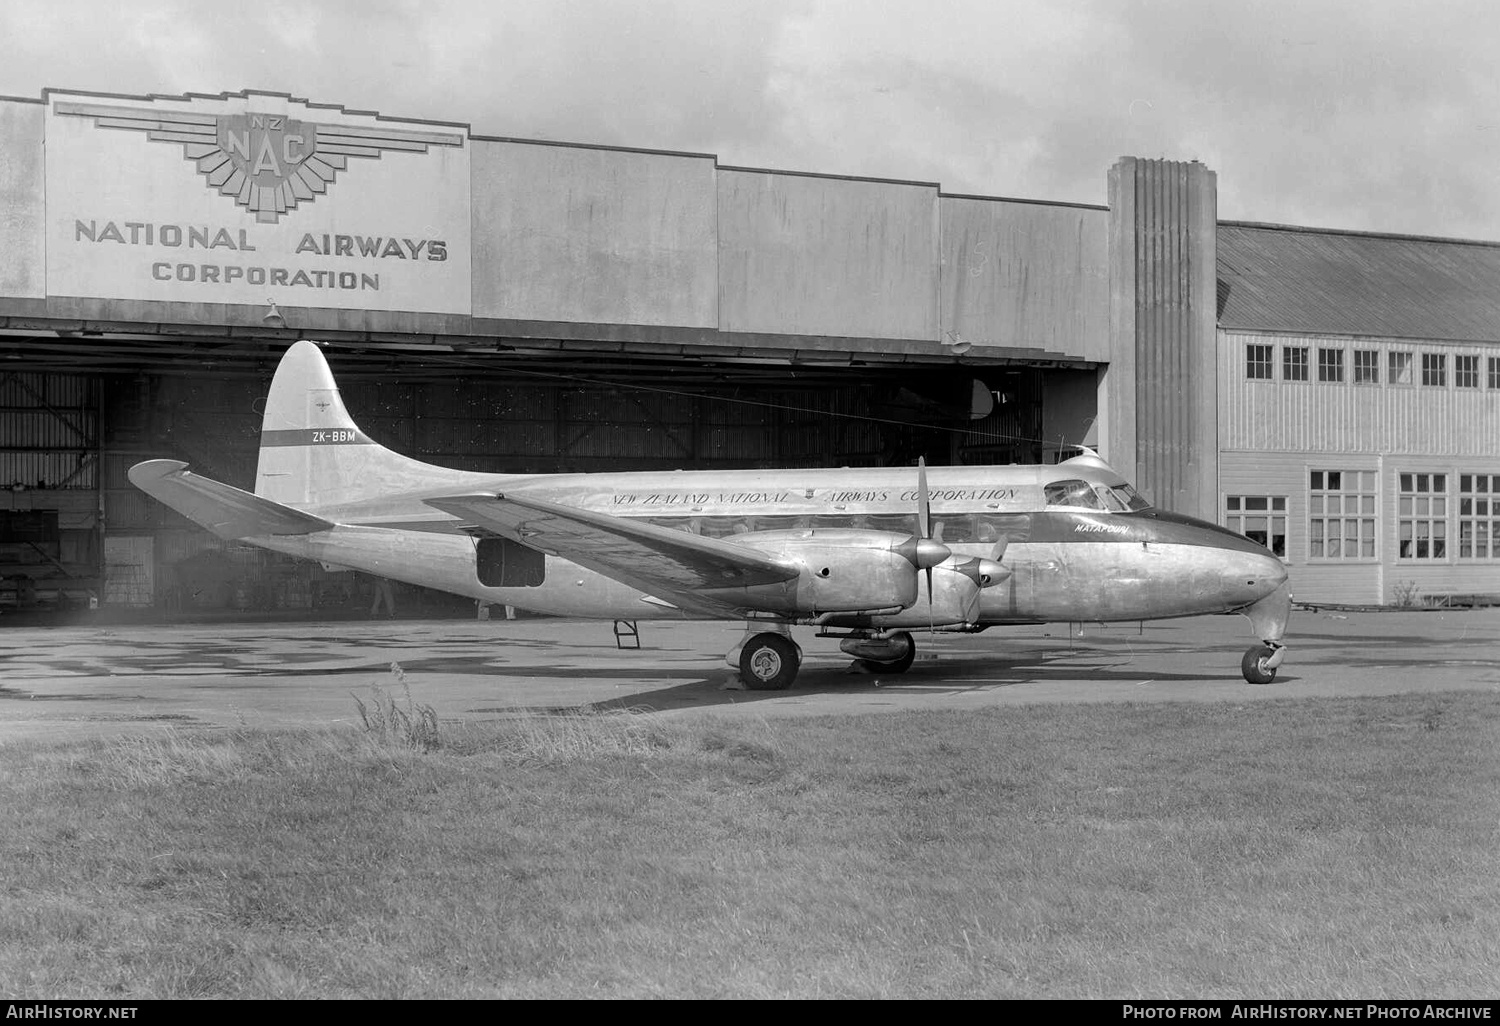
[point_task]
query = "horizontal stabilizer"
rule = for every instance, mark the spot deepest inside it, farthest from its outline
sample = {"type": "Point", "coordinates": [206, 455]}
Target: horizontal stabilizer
{"type": "Point", "coordinates": [227, 511]}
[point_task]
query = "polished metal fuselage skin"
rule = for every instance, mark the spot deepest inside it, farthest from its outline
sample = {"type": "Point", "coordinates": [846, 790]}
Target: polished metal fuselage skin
{"type": "Point", "coordinates": [1063, 562]}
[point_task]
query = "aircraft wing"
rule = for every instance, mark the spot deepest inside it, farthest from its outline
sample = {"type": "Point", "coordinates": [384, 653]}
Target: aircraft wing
{"type": "Point", "coordinates": [664, 563]}
{"type": "Point", "coordinates": [227, 511]}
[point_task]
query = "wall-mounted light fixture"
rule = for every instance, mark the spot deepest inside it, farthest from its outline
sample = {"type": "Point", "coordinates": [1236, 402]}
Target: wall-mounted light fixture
{"type": "Point", "coordinates": [956, 343]}
{"type": "Point", "coordinates": [273, 318]}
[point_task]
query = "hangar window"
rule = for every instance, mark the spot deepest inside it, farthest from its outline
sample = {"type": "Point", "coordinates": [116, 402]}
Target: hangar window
{"type": "Point", "coordinates": [1341, 514]}
{"type": "Point", "coordinates": [1422, 516]}
{"type": "Point", "coordinates": [1261, 518]}
{"type": "Point", "coordinates": [1367, 367]}
{"type": "Point", "coordinates": [1466, 372]}
{"type": "Point", "coordinates": [1495, 372]}
{"type": "Point", "coordinates": [1330, 365]}
{"type": "Point", "coordinates": [1435, 369]}
{"type": "Point", "coordinates": [1294, 363]}
{"type": "Point", "coordinates": [1072, 493]}
{"type": "Point", "coordinates": [1479, 516]}
{"type": "Point", "coordinates": [1400, 365]}
{"type": "Point", "coordinates": [1258, 362]}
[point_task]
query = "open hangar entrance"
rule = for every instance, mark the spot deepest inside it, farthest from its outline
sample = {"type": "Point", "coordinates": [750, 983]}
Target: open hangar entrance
{"type": "Point", "coordinates": [81, 406]}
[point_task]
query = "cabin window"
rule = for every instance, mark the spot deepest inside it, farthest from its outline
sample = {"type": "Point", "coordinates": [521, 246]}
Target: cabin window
{"type": "Point", "coordinates": [996, 527]}
{"type": "Point", "coordinates": [1341, 514]}
{"type": "Point", "coordinates": [1422, 516]}
{"type": "Point", "coordinates": [1261, 518]}
{"type": "Point", "coordinates": [503, 563]}
{"type": "Point", "coordinates": [1072, 493]}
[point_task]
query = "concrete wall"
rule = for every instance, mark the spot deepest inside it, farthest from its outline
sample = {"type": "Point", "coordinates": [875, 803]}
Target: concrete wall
{"type": "Point", "coordinates": [1162, 402]}
{"type": "Point", "coordinates": [23, 252]}
{"type": "Point", "coordinates": [596, 236]}
{"type": "Point", "coordinates": [524, 239]}
{"type": "Point", "coordinates": [1026, 275]}
{"type": "Point", "coordinates": [824, 256]}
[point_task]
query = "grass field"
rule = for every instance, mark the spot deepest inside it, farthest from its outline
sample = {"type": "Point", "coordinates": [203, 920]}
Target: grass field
{"type": "Point", "coordinates": [1313, 848]}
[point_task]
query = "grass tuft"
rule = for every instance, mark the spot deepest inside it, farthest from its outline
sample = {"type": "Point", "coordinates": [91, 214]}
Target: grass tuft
{"type": "Point", "coordinates": [389, 722]}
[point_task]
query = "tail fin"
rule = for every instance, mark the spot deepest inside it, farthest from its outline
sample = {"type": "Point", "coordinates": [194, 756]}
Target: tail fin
{"type": "Point", "coordinates": [311, 451]}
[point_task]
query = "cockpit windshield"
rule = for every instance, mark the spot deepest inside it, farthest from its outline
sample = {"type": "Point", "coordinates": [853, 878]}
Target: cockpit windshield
{"type": "Point", "coordinates": [1120, 498]}
{"type": "Point", "coordinates": [1073, 493]}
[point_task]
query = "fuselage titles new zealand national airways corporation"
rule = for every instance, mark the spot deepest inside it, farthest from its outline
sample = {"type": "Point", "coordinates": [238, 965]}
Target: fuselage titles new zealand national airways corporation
{"type": "Point", "coordinates": [866, 555]}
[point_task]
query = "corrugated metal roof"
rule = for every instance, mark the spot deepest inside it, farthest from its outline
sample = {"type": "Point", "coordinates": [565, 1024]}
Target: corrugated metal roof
{"type": "Point", "coordinates": [1280, 278]}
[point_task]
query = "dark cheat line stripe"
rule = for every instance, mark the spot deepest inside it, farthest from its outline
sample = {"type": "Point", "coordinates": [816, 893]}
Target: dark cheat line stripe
{"type": "Point", "coordinates": [314, 436]}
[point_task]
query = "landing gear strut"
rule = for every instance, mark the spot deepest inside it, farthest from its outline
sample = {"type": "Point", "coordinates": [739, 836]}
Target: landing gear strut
{"type": "Point", "coordinates": [1268, 618]}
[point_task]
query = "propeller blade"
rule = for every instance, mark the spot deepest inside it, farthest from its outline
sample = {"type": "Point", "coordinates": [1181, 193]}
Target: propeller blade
{"type": "Point", "coordinates": [924, 508]}
{"type": "Point", "coordinates": [924, 532]}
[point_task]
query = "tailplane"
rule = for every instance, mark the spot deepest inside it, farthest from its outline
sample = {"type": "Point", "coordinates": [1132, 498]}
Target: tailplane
{"type": "Point", "coordinates": [311, 451]}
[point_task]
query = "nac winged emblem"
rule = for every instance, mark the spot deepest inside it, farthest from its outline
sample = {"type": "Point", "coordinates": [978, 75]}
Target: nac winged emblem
{"type": "Point", "coordinates": [266, 163]}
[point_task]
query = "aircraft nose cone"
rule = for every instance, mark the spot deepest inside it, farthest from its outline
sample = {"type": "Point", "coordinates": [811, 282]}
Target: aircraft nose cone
{"type": "Point", "coordinates": [1256, 576]}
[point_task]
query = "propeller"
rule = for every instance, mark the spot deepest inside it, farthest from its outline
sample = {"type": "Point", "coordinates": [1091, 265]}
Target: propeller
{"type": "Point", "coordinates": [924, 528]}
{"type": "Point", "coordinates": [924, 534]}
{"type": "Point", "coordinates": [922, 550]}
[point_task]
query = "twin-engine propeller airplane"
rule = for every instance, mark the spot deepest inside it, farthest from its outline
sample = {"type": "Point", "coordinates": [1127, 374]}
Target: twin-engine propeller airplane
{"type": "Point", "coordinates": [865, 555]}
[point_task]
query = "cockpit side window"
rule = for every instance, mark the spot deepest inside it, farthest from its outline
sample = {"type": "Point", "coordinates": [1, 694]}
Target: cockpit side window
{"type": "Point", "coordinates": [1072, 493]}
{"type": "Point", "coordinates": [1112, 502]}
{"type": "Point", "coordinates": [1130, 497]}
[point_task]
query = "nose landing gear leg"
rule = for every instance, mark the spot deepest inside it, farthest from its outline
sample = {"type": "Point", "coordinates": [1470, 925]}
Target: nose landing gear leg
{"type": "Point", "coordinates": [1268, 618]}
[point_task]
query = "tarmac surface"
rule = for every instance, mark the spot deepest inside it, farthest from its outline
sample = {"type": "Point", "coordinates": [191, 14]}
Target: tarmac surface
{"type": "Point", "coordinates": [103, 679]}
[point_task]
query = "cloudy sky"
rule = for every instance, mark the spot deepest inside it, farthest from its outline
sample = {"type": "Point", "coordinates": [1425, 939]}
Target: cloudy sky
{"type": "Point", "coordinates": [1377, 115]}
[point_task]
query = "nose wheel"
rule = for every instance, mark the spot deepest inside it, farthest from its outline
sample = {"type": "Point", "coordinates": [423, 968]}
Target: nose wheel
{"type": "Point", "coordinates": [1260, 662]}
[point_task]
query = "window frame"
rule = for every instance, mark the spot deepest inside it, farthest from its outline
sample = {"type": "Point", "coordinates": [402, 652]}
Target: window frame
{"type": "Point", "coordinates": [1294, 359]}
{"type": "Point", "coordinates": [1434, 370]}
{"type": "Point", "coordinates": [1363, 514]}
{"type": "Point", "coordinates": [1465, 371]}
{"type": "Point", "coordinates": [1486, 522]}
{"type": "Point", "coordinates": [1238, 510]}
{"type": "Point", "coordinates": [1423, 500]}
{"type": "Point", "coordinates": [1254, 351]}
{"type": "Point", "coordinates": [1399, 364]}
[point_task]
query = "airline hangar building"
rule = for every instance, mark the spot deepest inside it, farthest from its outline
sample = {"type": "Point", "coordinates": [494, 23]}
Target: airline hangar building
{"type": "Point", "coordinates": [525, 306]}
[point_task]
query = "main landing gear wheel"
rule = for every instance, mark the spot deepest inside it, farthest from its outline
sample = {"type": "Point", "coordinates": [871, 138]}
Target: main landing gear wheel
{"type": "Point", "coordinates": [1256, 664]}
{"type": "Point", "coordinates": [768, 662]}
{"type": "Point", "coordinates": [898, 665]}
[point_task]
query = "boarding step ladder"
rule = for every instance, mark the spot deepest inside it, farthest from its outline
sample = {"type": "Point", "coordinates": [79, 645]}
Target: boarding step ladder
{"type": "Point", "coordinates": [627, 631]}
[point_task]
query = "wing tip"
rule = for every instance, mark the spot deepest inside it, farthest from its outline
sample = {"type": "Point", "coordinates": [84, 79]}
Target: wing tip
{"type": "Point", "coordinates": [154, 470]}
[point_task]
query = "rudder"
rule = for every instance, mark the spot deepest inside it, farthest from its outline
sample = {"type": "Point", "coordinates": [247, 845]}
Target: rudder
{"type": "Point", "coordinates": [311, 451]}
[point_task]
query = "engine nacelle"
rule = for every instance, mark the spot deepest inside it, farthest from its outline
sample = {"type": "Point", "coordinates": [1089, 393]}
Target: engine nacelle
{"type": "Point", "coordinates": [956, 586]}
{"type": "Point", "coordinates": [839, 571]}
